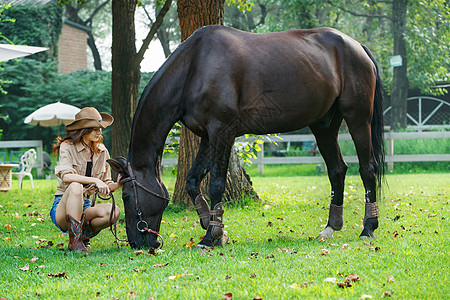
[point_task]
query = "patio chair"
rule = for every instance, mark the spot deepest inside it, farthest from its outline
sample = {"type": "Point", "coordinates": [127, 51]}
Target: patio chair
{"type": "Point", "coordinates": [26, 165]}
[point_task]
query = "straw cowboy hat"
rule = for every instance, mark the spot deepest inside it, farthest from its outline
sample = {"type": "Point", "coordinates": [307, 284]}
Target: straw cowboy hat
{"type": "Point", "coordinates": [89, 117]}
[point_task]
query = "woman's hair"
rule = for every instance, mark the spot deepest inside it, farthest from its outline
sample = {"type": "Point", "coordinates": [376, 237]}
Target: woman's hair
{"type": "Point", "coordinates": [76, 136]}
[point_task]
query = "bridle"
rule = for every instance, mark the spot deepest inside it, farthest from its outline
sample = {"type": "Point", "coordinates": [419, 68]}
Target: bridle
{"type": "Point", "coordinates": [142, 225]}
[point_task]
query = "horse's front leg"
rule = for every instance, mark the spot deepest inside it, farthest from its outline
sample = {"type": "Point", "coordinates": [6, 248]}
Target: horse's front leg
{"type": "Point", "coordinates": [198, 171]}
{"type": "Point", "coordinates": [220, 150]}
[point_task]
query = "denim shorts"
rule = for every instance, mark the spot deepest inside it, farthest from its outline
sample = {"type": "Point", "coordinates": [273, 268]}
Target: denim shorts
{"type": "Point", "coordinates": [86, 204]}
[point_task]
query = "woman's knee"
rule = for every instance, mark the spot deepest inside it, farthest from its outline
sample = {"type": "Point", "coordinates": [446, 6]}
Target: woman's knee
{"type": "Point", "coordinates": [75, 189]}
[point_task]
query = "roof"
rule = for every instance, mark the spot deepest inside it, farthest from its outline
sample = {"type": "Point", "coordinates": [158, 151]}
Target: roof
{"type": "Point", "coordinates": [26, 2]}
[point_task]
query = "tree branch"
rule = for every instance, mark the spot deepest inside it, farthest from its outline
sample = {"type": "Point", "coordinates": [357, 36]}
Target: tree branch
{"type": "Point", "coordinates": [362, 15]}
{"type": "Point", "coordinates": [96, 10]}
{"type": "Point", "coordinates": [155, 26]}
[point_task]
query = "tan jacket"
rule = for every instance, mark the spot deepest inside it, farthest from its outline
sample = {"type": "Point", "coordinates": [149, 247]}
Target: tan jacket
{"type": "Point", "coordinates": [73, 159]}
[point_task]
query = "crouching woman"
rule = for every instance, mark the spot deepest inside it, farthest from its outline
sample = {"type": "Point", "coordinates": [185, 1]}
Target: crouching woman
{"type": "Point", "coordinates": [82, 169]}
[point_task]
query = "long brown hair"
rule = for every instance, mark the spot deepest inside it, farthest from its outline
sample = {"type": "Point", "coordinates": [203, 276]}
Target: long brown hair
{"type": "Point", "coordinates": [75, 137]}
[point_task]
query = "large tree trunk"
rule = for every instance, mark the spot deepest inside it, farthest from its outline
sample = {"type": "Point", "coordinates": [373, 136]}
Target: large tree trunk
{"type": "Point", "coordinates": [125, 74]}
{"type": "Point", "coordinates": [400, 85]}
{"type": "Point", "coordinates": [192, 15]}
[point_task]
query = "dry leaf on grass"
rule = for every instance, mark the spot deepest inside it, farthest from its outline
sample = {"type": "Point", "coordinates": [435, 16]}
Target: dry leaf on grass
{"type": "Point", "coordinates": [57, 275]}
{"type": "Point", "coordinates": [227, 296]}
{"type": "Point", "coordinates": [390, 279]}
{"type": "Point", "coordinates": [26, 268]}
{"type": "Point", "coordinates": [364, 296]}
{"type": "Point", "coordinates": [160, 265]}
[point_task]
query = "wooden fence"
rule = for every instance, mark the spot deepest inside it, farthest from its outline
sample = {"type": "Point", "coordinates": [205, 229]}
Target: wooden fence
{"type": "Point", "coordinates": [391, 157]}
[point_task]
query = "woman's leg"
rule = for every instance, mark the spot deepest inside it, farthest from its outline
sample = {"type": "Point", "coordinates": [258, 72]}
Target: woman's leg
{"type": "Point", "coordinates": [71, 204]}
{"type": "Point", "coordinates": [98, 216]}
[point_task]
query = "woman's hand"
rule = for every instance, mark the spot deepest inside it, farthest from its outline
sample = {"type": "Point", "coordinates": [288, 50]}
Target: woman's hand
{"type": "Point", "coordinates": [115, 185]}
{"type": "Point", "coordinates": [102, 187]}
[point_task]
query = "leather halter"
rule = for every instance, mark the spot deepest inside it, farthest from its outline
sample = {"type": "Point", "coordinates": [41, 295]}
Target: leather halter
{"type": "Point", "coordinates": [142, 225]}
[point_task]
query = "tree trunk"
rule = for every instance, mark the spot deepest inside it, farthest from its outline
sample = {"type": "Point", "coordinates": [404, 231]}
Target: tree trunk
{"type": "Point", "coordinates": [125, 74]}
{"type": "Point", "coordinates": [192, 15]}
{"type": "Point", "coordinates": [400, 84]}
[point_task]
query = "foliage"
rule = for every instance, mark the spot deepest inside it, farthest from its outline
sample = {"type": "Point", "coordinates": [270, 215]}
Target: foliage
{"type": "Point", "coordinates": [36, 84]}
{"type": "Point", "coordinates": [428, 34]}
{"type": "Point", "coordinates": [270, 255]}
{"type": "Point", "coordinates": [34, 26]}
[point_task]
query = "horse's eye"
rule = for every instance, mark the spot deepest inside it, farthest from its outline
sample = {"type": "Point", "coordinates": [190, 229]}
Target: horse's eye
{"type": "Point", "coordinates": [125, 198]}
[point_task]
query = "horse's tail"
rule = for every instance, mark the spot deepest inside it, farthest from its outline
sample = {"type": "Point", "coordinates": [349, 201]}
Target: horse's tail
{"type": "Point", "coordinates": [377, 123]}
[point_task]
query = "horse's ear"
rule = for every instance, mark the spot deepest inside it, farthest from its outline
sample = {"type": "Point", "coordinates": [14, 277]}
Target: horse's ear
{"type": "Point", "coordinates": [119, 165]}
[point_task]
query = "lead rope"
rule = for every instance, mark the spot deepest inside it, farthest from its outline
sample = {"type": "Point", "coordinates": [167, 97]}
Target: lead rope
{"type": "Point", "coordinates": [112, 219]}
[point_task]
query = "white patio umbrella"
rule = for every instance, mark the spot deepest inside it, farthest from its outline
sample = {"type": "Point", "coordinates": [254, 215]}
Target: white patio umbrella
{"type": "Point", "coordinates": [52, 115]}
{"type": "Point", "coordinates": [8, 51]}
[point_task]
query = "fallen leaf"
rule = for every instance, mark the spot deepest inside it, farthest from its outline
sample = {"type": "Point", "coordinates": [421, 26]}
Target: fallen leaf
{"type": "Point", "coordinates": [131, 294]}
{"type": "Point", "coordinates": [390, 279]}
{"type": "Point", "coordinates": [109, 276]}
{"type": "Point", "coordinates": [57, 275]}
{"type": "Point", "coordinates": [266, 207]}
{"type": "Point", "coordinates": [7, 239]}
{"type": "Point", "coordinates": [137, 270]}
{"type": "Point", "coordinates": [26, 268]}
{"type": "Point", "coordinates": [102, 264]}
{"type": "Point", "coordinates": [294, 286]}
{"type": "Point", "coordinates": [228, 296]}
{"type": "Point", "coordinates": [388, 294]}
{"type": "Point", "coordinates": [160, 265]}
{"type": "Point", "coordinates": [138, 252]}
{"type": "Point", "coordinates": [253, 275]}
{"type": "Point", "coordinates": [324, 252]}
{"type": "Point", "coordinates": [352, 277]}
{"type": "Point", "coordinates": [185, 218]}
{"type": "Point", "coordinates": [344, 284]}
{"type": "Point", "coordinates": [190, 244]}
{"type": "Point", "coordinates": [330, 279]}
{"type": "Point", "coordinates": [176, 276]}
{"type": "Point", "coordinates": [364, 296]}
{"type": "Point", "coordinates": [227, 277]}
{"type": "Point", "coordinates": [8, 226]}
{"type": "Point", "coordinates": [172, 235]}
{"type": "Point", "coordinates": [270, 256]}
{"type": "Point", "coordinates": [258, 298]}
{"type": "Point", "coordinates": [41, 266]}
{"type": "Point", "coordinates": [34, 258]}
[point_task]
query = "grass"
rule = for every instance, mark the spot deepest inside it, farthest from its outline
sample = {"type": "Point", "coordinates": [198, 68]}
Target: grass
{"type": "Point", "coordinates": [273, 262]}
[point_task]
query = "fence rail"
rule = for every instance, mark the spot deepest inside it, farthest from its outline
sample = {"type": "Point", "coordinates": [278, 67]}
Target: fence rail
{"type": "Point", "coordinates": [391, 157]}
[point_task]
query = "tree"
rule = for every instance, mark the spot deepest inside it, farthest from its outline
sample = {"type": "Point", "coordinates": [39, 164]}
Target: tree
{"type": "Point", "coordinates": [192, 15]}
{"type": "Point", "coordinates": [126, 69]}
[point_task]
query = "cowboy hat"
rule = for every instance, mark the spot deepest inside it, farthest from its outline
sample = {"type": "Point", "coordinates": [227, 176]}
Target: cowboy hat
{"type": "Point", "coordinates": [89, 117]}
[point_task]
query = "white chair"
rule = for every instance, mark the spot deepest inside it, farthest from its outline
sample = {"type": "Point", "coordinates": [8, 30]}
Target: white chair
{"type": "Point", "coordinates": [26, 165]}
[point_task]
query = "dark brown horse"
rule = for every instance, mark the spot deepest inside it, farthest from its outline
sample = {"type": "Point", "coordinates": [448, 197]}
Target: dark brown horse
{"type": "Point", "coordinates": [222, 83]}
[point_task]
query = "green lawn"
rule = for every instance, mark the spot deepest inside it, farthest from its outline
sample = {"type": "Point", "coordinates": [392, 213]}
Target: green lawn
{"type": "Point", "coordinates": [272, 254]}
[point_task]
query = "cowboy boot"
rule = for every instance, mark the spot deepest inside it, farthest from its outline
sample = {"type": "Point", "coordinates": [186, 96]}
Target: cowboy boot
{"type": "Point", "coordinates": [87, 232]}
{"type": "Point", "coordinates": [203, 212]}
{"type": "Point", "coordinates": [75, 241]}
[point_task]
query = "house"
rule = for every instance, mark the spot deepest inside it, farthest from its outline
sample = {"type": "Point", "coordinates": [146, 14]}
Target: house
{"type": "Point", "coordinates": [72, 43]}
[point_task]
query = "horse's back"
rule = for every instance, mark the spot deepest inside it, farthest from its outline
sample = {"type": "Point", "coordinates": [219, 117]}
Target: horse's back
{"type": "Point", "coordinates": [293, 76]}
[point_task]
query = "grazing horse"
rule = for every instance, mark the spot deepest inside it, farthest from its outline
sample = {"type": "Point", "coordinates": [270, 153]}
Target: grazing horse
{"type": "Point", "coordinates": [222, 83]}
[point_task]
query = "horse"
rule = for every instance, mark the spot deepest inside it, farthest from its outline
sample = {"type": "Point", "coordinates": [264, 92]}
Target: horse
{"type": "Point", "coordinates": [222, 83]}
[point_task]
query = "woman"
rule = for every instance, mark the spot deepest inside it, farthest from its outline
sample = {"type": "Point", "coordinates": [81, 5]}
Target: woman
{"type": "Point", "coordinates": [82, 169]}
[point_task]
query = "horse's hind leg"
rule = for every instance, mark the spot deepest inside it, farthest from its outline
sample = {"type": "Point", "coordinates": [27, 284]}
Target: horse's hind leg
{"type": "Point", "coordinates": [327, 142]}
{"type": "Point", "coordinates": [198, 171]}
{"type": "Point", "coordinates": [360, 130]}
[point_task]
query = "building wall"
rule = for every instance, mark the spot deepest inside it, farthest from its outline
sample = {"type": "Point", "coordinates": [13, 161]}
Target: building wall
{"type": "Point", "coordinates": [72, 48]}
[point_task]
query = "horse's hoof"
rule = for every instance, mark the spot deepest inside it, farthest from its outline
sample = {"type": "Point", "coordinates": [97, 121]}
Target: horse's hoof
{"type": "Point", "coordinates": [201, 246]}
{"type": "Point", "coordinates": [327, 233]}
{"type": "Point", "coordinates": [366, 235]}
{"type": "Point", "coordinates": [223, 240]}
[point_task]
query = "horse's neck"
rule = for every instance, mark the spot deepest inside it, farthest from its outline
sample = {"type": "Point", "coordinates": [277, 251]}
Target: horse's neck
{"type": "Point", "coordinates": [153, 121]}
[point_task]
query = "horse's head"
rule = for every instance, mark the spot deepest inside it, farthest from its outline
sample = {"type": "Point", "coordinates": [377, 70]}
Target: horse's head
{"type": "Point", "coordinates": [144, 200]}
